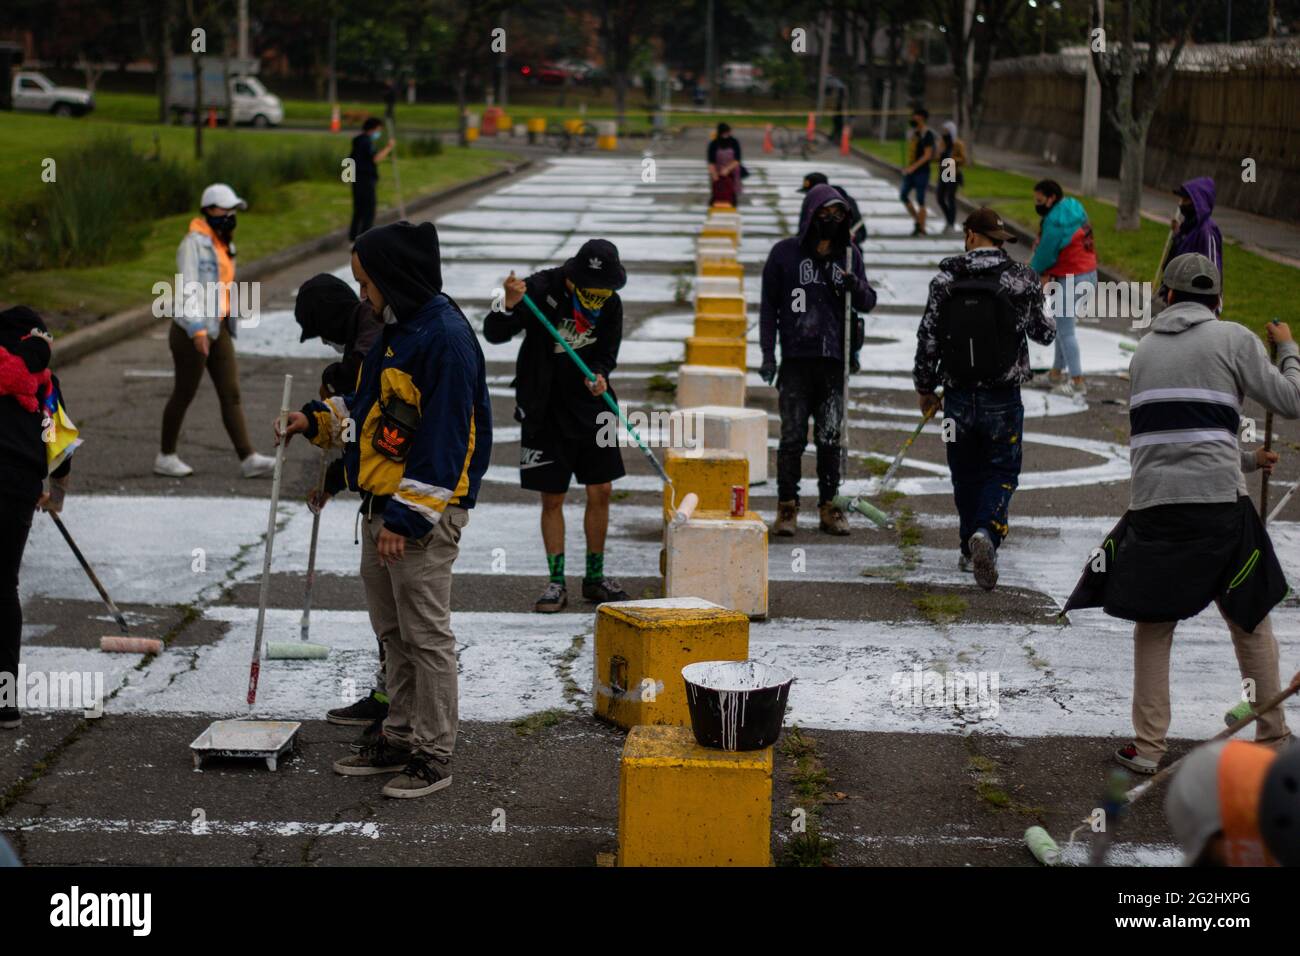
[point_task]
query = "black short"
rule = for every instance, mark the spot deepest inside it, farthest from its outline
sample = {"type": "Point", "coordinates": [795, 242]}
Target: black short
{"type": "Point", "coordinates": [548, 460]}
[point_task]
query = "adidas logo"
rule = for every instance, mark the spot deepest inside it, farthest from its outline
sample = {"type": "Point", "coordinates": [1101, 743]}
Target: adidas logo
{"type": "Point", "coordinates": [595, 264]}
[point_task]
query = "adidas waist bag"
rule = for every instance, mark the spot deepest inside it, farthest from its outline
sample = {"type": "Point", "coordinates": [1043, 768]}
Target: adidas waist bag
{"type": "Point", "coordinates": [978, 337]}
{"type": "Point", "coordinates": [398, 422]}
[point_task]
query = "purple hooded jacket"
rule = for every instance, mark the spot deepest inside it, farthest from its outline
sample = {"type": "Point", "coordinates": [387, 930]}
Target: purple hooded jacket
{"type": "Point", "coordinates": [816, 330]}
{"type": "Point", "coordinates": [1201, 234]}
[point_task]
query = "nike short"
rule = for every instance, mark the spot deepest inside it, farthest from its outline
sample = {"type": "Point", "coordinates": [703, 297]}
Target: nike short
{"type": "Point", "coordinates": [549, 460]}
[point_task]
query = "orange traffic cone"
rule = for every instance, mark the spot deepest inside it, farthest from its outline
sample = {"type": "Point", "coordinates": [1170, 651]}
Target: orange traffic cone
{"type": "Point", "coordinates": [812, 127]}
{"type": "Point", "coordinates": [767, 139]}
{"type": "Point", "coordinates": [335, 124]}
{"type": "Point", "coordinates": [212, 117]}
{"type": "Point", "coordinates": [845, 135]}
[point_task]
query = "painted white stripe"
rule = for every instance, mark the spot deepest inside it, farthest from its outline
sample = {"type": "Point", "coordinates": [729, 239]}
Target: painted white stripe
{"type": "Point", "coordinates": [1183, 436]}
{"type": "Point", "coordinates": [1185, 395]}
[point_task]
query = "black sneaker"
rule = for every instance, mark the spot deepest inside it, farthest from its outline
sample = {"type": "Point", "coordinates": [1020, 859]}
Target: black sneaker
{"type": "Point", "coordinates": [422, 775]}
{"type": "Point", "coordinates": [553, 599]}
{"type": "Point", "coordinates": [368, 736]}
{"type": "Point", "coordinates": [378, 757]}
{"type": "Point", "coordinates": [10, 718]}
{"type": "Point", "coordinates": [606, 589]}
{"type": "Point", "coordinates": [361, 714]}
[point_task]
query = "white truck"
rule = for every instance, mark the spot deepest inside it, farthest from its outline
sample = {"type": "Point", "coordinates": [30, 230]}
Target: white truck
{"type": "Point", "coordinates": [37, 93]}
{"type": "Point", "coordinates": [229, 87]}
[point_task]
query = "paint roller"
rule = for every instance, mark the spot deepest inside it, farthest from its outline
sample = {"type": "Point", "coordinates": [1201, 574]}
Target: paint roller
{"type": "Point", "coordinates": [609, 400]}
{"type": "Point", "coordinates": [304, 649]}
{"type": "Point", "coordinates": [113, 643]}
{"type": "Point", "coordinates": [1044, 848]}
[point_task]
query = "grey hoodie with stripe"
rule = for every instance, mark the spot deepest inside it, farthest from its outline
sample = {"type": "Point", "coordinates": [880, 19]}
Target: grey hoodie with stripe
{"type": "Point", "coordinates": [1189, 378]}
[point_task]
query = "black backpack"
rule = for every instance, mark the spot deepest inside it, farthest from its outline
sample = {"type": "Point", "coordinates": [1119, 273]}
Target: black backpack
{"type": "Point", "coordinates": [979, 339]}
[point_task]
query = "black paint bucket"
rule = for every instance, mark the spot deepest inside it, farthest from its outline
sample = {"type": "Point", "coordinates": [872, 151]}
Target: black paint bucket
{"type": "Point", "coordinates": [736, 705]}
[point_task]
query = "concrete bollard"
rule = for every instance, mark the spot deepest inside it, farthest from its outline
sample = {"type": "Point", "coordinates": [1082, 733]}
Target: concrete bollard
{"type": "Point", "coordinates": [720, 267]}
{"type": "Point", "coordinates": [726, 353]}
{"type": "Point", "coordinates": [720, 327]}
{"type": "Point", "coordinates": [536, 129]}
{"type": "Point", "coordinates": [707, 473]}
{"type": "Point", "coordinates": [641, 648]}
{"type": "Point", "coordinates": [742, 430]}
{"type": "Point", "coordinates": [719, 558]}
{"type": "Point", "coordinates": [710, 385]}
{"type": "Point", "coordinates": [607, 135]}
{"type": "Point", "coordinates": [720, 303]}
{"type": "Point", "coordinates": [713, 287]}
{"type": "Point", "coordinates": [680, 804]}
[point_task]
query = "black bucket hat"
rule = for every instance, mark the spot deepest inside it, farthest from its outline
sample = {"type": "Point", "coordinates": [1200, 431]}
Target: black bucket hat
{"type": "Point", "coordinates": [596, 266]}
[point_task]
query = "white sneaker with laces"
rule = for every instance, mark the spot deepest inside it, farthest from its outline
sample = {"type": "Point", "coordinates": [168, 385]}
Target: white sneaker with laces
{"type": "Point", "coordinates": [171, 466]}
{"type": "Point", "coordinates": [256, 466]}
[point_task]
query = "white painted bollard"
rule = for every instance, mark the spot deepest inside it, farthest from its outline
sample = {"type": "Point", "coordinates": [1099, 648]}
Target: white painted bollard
{"type": "Point", "coordinates": [742, 430]}
{"type": "Point", "coordinates": [710, 385]}
{"type": "Point", "coordinates": [718, 558]}
{"type": "Point", "coordinates": [716, 286]}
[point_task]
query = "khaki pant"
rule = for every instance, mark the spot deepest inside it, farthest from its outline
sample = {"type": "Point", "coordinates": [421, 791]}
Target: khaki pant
{"type": "Point", "coordinates": [410, 610]}
{"type": "Point", "coordinates": [1257, 658]}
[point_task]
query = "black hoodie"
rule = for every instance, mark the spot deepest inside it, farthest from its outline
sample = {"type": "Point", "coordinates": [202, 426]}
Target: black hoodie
{"type": "Point", "coordinates": [404, 263]}
{"type": "Point", "coordinates": [328, 309]}
{"type": "Point", "coordinates": [23, 459]}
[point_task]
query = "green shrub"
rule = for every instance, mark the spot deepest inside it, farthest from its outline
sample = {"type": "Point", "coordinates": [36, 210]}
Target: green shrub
{"type": "Point", "coordinates": [420, 146]}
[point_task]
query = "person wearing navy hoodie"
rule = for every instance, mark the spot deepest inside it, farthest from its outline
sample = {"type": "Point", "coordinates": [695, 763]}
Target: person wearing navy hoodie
{"type": "Point", "coordinates": [804, 287]}
{"type": "Point", "coordinates": [1194, 230]}
{"type": "Point", "coordinates": [27, 389]}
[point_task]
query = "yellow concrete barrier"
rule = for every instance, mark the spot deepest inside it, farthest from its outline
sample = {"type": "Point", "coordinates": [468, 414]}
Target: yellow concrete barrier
{"type": "Point", "coordinates": [537, 124]}
{"type": "Point", "coordinates": [708, 473]}
{"type": "Point", "coordinates": [728, 353]}
{"type": "Point", "coordinates": [730, 303]}
{"type": "Point", "coordinates": [742, 430]}
{"type": "Point", "coordinates": [607, 135]}
{"type": "Point", "coordinates": [709, 385]}
{"type": "Point", "coordinates": [680, 804]}
{"type": "Point", "coordinates": [574, 125]}
{"type": "Point", "coordinates": [641, 648]}
{"type": "Point", "coordinates": [721, 267]}
{"type": "Point", "coordinates": [719, 558]}
{"type": "Point", "coordinates": [720, 327]}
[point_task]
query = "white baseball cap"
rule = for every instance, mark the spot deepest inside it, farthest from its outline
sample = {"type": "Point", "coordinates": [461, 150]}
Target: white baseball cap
{"type": "Point", "coordinates": [219, 194]}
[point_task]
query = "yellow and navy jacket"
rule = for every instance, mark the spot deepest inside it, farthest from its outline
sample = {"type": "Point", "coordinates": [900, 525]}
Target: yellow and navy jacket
{"type": "Point", "coordinates": [431, 361]}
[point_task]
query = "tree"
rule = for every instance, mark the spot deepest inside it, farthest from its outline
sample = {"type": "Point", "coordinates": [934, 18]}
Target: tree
{"type": "Point", "coordinates": [972, 41]}
{"type": "Point", "coordinates": [621, 23]}
{"type": "Point", "coordinates": [1167, 26]}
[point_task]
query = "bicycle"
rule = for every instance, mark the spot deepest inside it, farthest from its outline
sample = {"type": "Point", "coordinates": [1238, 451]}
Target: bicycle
{"type": "Point", "coordinates": [559, 137]}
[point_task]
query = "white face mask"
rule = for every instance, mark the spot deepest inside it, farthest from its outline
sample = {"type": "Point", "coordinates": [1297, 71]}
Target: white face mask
{"type": "Point", "coordinates": [389, 316]}
{"type": "Point", "coordinates": [335, 346]}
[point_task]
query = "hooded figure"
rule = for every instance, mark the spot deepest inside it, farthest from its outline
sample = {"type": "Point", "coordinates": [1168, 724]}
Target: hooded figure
{"type": "Point", "coordinates": [405, 264]}
{"type": "Point", "coordinates": [328, 309]}
{"type": "Point", "coordinates": [1198, 231]}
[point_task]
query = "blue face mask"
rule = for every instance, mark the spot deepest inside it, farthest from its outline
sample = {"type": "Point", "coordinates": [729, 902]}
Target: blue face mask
{"type": "Point", "coordinates": [374, 135]}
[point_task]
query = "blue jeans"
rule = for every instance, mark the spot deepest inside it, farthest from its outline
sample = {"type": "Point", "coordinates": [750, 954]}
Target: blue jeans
{"type": "Point", "coordinates": [1067, 340]}
{"type": "Point", "coordinates": [916, 182]}
{"type": "Point", "coordinates": [984, 456]}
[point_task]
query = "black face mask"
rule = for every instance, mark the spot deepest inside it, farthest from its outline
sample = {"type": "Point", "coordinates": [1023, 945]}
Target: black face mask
{"type": "Point", "coordinates": [1042, 208]}
{"type": "Point", "coordinates": [1189, 213]}
{"type": "Point", "coordinates": [912, 123]}
{"type": "Point", "coordinates": [824, 229]}
{"type": "Point", "coordinates": [223, 226]}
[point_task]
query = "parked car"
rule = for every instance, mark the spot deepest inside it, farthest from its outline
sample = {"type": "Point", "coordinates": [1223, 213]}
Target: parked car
{"type": "Point", "coordinates": [228, 88]}
{"type": "Point", "coordinates": [37, 93]}
{"type": "Point", "coordinates": [743, 78]}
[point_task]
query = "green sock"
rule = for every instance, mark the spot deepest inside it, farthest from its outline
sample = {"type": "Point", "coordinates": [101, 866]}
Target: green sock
{"type": "Point", "coordinates": [555, 562]}
{"type": "Point", "coordinates": [595, 566]}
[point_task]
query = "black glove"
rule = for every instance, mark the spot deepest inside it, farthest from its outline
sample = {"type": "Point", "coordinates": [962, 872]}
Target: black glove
{"type": "Point", "coordinates": [767, 371]}
{"type": "Point", "coordinates": [855, 363]}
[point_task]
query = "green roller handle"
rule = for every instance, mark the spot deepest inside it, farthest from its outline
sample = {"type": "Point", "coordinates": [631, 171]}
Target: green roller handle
{"type": "Point", "coordinates": [591, 377]}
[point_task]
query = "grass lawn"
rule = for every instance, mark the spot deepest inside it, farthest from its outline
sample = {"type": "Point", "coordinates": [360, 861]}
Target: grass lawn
{"type": "Point", "coordinates": [293, 213]}
{"type": "Point", "coordinates": [1257, 289]}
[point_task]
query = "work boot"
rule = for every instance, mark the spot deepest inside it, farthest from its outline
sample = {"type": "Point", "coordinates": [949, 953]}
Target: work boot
{"type": "Point", "coordinates": [379, 757]}
{"type": "Point", "coordinates": [553, 599]}
{"type": "Point", "coordinates": [984, 556]}
{"type": "Point", "coordinates": [606, 589]}
{"type": "Point", "coordinates": [364, 712]}
{"type": "Point", "coordinates": [787, 519]}
{"type": "Point", "coordinates": [423, 774]}
{"type": "Point", "coordinates": [832, 519]}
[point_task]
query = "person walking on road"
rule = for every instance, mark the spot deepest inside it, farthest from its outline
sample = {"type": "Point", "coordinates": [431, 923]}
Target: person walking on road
{"type": "Point", "coordinates": [1194, 230]}
{"type": "Point", "coordinates": [31, 450]}
{"type": "Point", "coordinates": [202, 336]}
{"type": "Point", "coordinates": [1191, 534]}
{"type": "Point", "coordinates": [416, 437]}
{"type": "Point", "coordinates": [804, 288]}
{"type": "Point", "coordinates": [1065, 259]}
{"type": "Point", "coordinates": [973, 340]}
{"type": "Point", "coordinates": [366, 162]}
{"type": "Point", "coordinates": [921, 153]}
{"type": "Point", "coordinates": [952, 158]}
{"type": "Point", "coordinates": [566, 433]}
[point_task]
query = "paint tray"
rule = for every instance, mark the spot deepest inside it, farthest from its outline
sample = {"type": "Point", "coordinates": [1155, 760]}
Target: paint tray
{"type": "Point", "coordinates": [245, 740]}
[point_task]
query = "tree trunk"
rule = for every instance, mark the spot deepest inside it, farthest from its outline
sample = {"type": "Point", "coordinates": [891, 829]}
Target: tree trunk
{"type": "Point", "coordinates": [461, 137]}
{"type": "Point", "coordinates": [164, 60]}
{"type": "Point", "coordinates": [1133, 146]}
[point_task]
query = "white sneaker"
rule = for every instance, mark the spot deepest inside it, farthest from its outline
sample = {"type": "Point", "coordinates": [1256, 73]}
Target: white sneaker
{"type": "Point", "coordinates": [171, 466]}
{"type": "Point", "coordinates": [257, 466]}
{"type": "Point", "coordinates": [1065, 388]}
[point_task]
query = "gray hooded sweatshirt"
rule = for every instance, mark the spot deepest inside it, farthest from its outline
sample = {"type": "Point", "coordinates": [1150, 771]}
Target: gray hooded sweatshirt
{"type": "Point", "coordinates": [1189, 378]}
